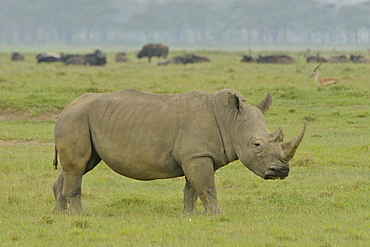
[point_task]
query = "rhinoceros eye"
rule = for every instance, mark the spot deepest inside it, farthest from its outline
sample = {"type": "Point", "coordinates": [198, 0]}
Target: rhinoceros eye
{"type": "Point", "coordinates": [257, 144]}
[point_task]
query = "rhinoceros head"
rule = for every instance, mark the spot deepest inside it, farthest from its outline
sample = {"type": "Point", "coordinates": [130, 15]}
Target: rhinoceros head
{"type": "Point", "coordinates": [263, 152]}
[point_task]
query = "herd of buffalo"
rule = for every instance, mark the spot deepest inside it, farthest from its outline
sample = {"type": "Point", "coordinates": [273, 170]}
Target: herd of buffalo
{"type": "Point", "coordinates": [309, 59]}
{"type": "Point", "coordinates": [97, 58]}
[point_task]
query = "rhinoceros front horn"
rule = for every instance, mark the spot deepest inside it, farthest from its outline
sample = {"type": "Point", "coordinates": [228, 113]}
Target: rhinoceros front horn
{"type": "Point", "coordinates": [288, 148]}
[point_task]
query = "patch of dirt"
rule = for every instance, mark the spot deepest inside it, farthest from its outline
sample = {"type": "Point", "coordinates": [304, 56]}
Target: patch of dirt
{"type": "Point", "coordinates": [8, 115]}
{"type": "Point", "coordinates": [18, 143]}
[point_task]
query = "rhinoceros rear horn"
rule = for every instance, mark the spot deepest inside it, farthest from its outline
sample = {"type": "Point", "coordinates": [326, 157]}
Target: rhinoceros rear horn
{"type": "Point", "coordinates": [288, 149]}
{"type": "Point", "coordinates": [278, 135]}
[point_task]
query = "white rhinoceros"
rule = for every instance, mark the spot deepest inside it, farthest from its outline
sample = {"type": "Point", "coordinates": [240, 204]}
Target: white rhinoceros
{"type": "Point", "coordinates": [155, 136]}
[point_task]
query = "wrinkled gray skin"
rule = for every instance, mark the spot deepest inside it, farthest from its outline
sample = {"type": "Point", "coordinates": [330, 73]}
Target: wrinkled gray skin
{"type": "Point", "coordinates": [147, 136]}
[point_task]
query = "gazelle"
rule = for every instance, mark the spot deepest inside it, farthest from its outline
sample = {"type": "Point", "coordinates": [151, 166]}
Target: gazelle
{"type": "Point", "coordinates": [322, 82]}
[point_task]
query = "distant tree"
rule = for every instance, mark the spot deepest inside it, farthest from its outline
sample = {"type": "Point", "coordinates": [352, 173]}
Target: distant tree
{"type": "Point", "coordinates": [81, 18]}
{"type": "Point", "coordinates": [243, 19]}
{"type": "Point", "coordinates": [23, 18]}
{"type": "Point", "coordinates": [182, 17]}
{"type": "Point", "coordinates": [353, 18]}
{"type": "Point", "coordinates": [185, 21]}
{"type": "Point", "coordinates": [54, 19]}
{"type": "Point", "coordinates": [197, 18]}
{"type": "Point", "coordinates": [271, 20]}
{"type": "Point", "coordinates": [147, 22]}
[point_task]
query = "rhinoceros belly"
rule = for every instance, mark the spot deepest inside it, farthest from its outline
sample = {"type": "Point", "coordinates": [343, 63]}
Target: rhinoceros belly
{"type": "Point", "coordinates": [136, 160]}
{"type": "Point", "coordinates": [137, 145]}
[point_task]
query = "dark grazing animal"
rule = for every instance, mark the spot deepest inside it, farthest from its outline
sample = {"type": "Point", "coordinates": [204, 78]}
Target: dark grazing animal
{"type": "Point", "coordinates": [73, 59]}
{"type": "Point", "coordinates": [359, 59]}
{"type": "Point", "coordinates": [153, 50]}
{"type": "Point", "coordinates": [338, 59]}
{"type": "Point", "coordinates": [188, 58]}
{"type": "Point", "coordinates": [16, 56]}
{"type": "Point", "coordinates": [316, 59]}
{"type": "Point", "coordinates": [96, 59]}
{"type": "Point", "coordinates": [247, 59]}
{"type": "Point", "coordinates": [275, 59]}
{"type": "Point", "coordinates": [157, 136]}
{"type": "Point", "coordinates": [48, 57]}
{"type": "Point", "coordinates": [121, 57]}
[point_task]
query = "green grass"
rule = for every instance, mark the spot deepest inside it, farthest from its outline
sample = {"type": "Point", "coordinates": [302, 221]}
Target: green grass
{"type": "Point", "coordinates": [324, 201]}
{"type": "Point", "coordinates": [26, 130]}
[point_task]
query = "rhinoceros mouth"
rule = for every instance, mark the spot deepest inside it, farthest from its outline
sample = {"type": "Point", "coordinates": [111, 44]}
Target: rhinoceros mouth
{"type": "Point", "coordinates": [276, 172]}
{"type": "Point", "coordinates": [273, 178]}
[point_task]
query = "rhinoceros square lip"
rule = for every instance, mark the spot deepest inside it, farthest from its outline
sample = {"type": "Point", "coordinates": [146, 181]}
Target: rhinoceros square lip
{"type": "Point", "coordinates": [274, 178]}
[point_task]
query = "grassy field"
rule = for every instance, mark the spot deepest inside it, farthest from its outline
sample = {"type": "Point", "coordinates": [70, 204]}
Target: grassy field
{"type": "Point", "coordinates": [324, 202]}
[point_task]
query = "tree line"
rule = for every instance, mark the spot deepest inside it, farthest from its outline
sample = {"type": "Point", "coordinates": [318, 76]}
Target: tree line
{"type": "Point", "coordinates": [184, 21]}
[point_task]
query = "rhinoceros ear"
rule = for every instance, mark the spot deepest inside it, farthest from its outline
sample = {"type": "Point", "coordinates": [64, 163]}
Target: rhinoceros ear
{"type": "Point", "coordinates": [233, 101]}
{"type": "Point", "coordinates": [264, 105]}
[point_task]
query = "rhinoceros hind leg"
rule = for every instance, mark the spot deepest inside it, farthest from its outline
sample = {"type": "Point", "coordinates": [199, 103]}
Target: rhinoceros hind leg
{"type": "Point", "coordinates": [75, 162]}
{"type": "Point", "coordinates": [200, 173]}
{"type": "Point", "coordinates": [61, 201]}
{"type": "Point", "coordinates": [67, 188]}
{"type": "Point", "coordinates": [190, 199]}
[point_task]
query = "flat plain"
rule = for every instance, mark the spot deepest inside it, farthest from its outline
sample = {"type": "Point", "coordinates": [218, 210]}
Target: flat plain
{"type": "Point", "coordinates": [324, 202]}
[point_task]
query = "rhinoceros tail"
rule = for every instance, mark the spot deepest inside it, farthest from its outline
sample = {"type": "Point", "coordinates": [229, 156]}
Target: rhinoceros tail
{"type": "Point", "coordinates": [55, 162]}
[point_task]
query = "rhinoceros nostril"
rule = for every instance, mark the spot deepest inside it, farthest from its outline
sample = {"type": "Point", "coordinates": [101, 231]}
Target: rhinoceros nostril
{"type": "Point", "coordinates": [274, 168]}
{"type": "Point", "coordinates": [279, 168]}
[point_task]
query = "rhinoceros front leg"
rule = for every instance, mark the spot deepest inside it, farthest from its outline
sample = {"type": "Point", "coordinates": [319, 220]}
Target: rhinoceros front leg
{"type": "Point", "coordinates": [61, 201]}
{"type": "Point", "coordinates": [190, 198]}
{"type": "Point", "coordinates": [200, 174]}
